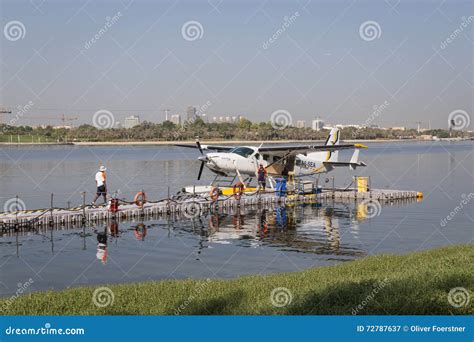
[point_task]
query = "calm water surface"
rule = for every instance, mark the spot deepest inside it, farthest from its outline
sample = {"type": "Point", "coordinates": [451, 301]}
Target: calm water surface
{"type": "Point", "coordinates": [254, 241]}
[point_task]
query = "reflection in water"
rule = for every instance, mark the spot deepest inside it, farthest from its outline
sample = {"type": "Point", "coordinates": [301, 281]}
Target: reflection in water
{"type": "Point", "coordinates": [307, 229]}
{"type": "Point", "coordinates": [235, 241]}
{"type": "Point", "coordinates": [300, 228]}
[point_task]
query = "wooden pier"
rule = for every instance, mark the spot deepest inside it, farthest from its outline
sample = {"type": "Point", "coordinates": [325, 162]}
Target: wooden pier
{"type": "Point", "coordinates": [189, 207]}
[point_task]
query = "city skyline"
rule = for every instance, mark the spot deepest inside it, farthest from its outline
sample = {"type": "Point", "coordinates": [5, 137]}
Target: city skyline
{"type": "Point", "coordinates": [248, 59]}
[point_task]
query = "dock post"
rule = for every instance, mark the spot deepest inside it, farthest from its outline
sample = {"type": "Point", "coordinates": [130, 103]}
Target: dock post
{"type": "Point", "coordinates": [370, 189]}
{"type": "Point", "coordinates": [354, 180]}
{"type": "Point", "coordinates": [16, 213]}
{"type": "Point", "coordinates": [333, 188]}
{"type": "Point", "coordinates": [143, 204]}
{"type": "Point", "coordinates": [51, 220]}
{"type": "Point", "coordinates": [83, 206]}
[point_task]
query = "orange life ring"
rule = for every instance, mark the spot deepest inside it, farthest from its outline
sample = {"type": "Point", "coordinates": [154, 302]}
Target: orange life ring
{"type": "Point", "coordinates": [214, 193]}
{"type": "Point", "coordinates": [238, 190]}
{"type": "Point", "coordinates": [140, 199]}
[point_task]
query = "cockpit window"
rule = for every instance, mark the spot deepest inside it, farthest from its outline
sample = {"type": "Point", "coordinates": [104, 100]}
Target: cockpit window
{"type": "Point", "coordinates": [242, 151]}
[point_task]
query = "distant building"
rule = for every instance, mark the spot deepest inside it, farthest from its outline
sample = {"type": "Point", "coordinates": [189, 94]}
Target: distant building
{"type": "Point", "coordinates": [191, 113]}
{"type": "Point", "coordinates": [317, 124]}
{"type": "Point", "coordinates": [131, 121]}
{"type": "Point", "coordinates": [118, 125]}
{"type": "Point", "coordinates": [426, 137]}
{"type": "Point", "coordinates": [300, 124]}
{"type": "Point", "coordinates": [348, 126]}
{"type": "Point", "coordinates": [62, 127]}
{"type": "Point", "coordinates": [176, 119]}
{"type": "Point", "coordinates": [399, 128]}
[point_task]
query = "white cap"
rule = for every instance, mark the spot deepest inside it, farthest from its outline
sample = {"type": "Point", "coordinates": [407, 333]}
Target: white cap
{"type": "Point", "coordinates": [102, 168]}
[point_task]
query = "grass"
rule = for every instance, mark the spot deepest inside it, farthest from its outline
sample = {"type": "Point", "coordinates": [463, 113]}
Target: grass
{"type": "Point", "coordinates": [413, 284]}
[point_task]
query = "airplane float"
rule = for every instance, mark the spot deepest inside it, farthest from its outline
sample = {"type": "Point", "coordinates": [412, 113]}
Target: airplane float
{"type": "Point", "coordinates": [302, 160]}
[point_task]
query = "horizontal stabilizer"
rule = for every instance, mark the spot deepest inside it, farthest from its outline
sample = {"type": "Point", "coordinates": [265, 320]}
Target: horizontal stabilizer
{"type": "Point", "coordinates": [336, 164]}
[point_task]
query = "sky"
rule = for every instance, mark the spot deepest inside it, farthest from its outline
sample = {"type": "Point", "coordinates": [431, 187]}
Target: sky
{"type": "Point", "coordinates": [391, 63]}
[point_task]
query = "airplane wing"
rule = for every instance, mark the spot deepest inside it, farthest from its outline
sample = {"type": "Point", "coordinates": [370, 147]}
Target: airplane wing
{"type": "Point", "coordinates": [208, 147]}
{"type": "Point", "coordinates": [293, 149]}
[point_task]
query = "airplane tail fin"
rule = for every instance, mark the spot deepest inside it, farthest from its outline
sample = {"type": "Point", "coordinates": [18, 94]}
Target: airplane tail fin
{"type": "Point", "coordinates": [333, 138]}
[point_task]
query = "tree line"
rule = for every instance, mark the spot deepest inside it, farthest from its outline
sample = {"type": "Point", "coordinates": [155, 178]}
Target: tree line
{"type": "Point", "coordinates": [242, 130]}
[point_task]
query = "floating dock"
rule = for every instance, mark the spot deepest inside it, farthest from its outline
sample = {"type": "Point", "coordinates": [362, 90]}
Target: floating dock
{"type": "Point", "coordinates": [190, 206]}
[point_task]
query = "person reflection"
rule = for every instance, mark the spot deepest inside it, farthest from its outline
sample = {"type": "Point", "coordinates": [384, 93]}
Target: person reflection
{"type": "Point", "coordinates": [113, 228]}
{"type": "Point", "coordinates": [281, 217]}
{"type": "Point", "coordinates": [213, 223]}
{"type": "Point", "coordinates": [262, 223]}
{"type": "Point", "coordinates": [102, 246]}
{"type": "Point", "coordinates": [238, 219]}
{"type": "Point", "coordinates": [140, 232]}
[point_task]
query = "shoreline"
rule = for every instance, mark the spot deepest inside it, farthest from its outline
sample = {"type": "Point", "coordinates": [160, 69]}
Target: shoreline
{"type": "Point", "coordinates": [213, 142]}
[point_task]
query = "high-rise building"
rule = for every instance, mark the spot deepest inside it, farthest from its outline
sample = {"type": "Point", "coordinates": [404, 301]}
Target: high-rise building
{"type": "Point", "coordinates": [176, 119]}
{"type": "Point", "coordinates": [317, 124]}
{"type": "Point", "coordinates": [131, 121]}
{"type": "Point", "coordinates": [191, 113]}
{"type": "Point", "coordinates": [300, 124]}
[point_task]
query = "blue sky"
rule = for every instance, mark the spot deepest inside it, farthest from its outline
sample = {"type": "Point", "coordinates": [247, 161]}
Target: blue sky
{"type": "Point", "coordinates": [319, 66]}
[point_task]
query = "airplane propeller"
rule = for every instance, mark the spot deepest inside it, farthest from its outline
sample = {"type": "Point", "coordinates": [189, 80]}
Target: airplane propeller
{"type": "Point", "coordinates": [200, 170]}
{"type": "Point", "coordinates": [203, 158]}
{"type": "Point", "coordinates": [198, 144]}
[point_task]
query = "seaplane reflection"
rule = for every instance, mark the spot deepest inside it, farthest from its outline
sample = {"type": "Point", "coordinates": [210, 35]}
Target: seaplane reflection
{"type": "Point", "coordinates": [308, 229]}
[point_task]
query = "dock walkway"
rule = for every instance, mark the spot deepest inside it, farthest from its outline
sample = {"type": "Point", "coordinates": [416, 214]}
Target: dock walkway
{"type": "Point", "coordinates": [187, 206]}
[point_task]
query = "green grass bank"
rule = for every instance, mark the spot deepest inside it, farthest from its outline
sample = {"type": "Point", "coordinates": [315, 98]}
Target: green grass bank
{"type": "Point", "coordinates": [412, 284]}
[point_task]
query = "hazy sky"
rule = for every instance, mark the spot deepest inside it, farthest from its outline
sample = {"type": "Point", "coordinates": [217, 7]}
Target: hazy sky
{"type": "Point", "coordinates": [321, 63]}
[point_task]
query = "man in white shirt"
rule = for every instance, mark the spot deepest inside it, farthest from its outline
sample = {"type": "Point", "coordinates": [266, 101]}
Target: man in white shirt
{"type": "Point", "coordinates": [100, 180]}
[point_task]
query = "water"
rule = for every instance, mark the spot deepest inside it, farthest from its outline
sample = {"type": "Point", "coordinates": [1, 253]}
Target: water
{"type": "Point", "coordinates": [224, 246]}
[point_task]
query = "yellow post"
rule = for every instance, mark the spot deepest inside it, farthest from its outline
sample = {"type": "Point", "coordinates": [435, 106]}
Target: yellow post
{"type": "Point", "coordinates": [362, 184]}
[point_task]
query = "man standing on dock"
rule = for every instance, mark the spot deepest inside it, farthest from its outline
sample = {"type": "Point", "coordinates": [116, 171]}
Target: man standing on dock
{"type": "Point", "coordinates": [100, 180]}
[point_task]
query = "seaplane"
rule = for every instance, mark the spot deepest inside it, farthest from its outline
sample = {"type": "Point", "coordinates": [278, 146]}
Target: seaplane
{"type": "Point", "coordinates": [302, 160]}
